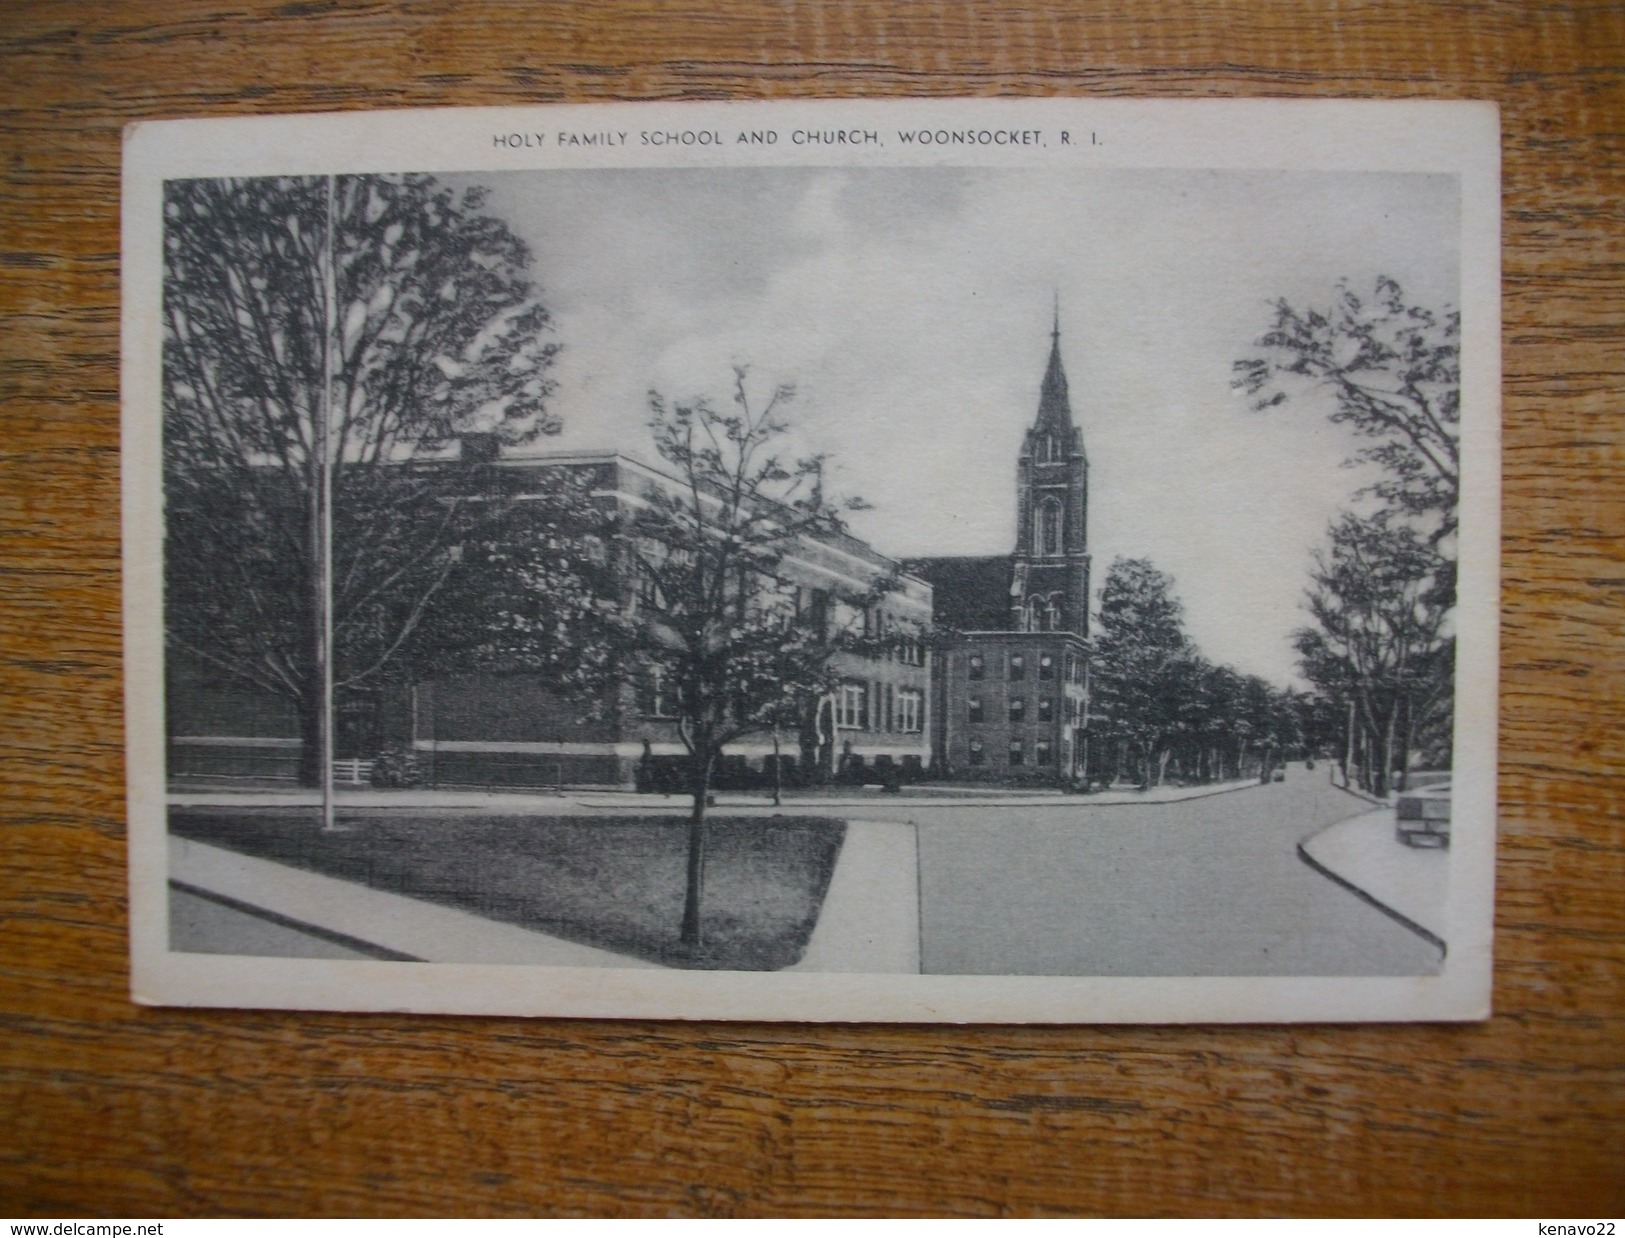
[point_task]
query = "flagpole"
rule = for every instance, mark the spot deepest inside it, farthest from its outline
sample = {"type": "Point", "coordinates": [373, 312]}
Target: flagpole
{"type": "Point", "coordinates": [325, 549]}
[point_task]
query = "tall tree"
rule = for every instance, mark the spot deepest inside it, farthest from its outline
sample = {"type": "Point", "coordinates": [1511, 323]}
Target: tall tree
{"type": "Point", "coordinates": [1393, 371]}
{"type": "Point", "coordinates": [1381, 600]}
{"type": "Point", "coordinates": [1144, 663]}
{"type": "Point", "coordinates": [1381, 595]}
{"type": "Point", "coordinates": [735, 645]}
{"type": "Point", "coordinates": [370, 320]}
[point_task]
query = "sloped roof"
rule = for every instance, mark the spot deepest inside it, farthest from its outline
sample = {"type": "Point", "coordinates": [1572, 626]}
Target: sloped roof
{"type": "Point", "coordinates": [970, 593]}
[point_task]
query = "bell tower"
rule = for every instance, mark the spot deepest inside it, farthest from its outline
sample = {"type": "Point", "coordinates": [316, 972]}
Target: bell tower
{"type": "Point", "coordinates": [1049, 585]}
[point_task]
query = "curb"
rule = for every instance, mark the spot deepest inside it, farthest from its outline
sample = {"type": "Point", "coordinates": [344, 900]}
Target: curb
{"type": "Point", "coordinates": [1362, 795]}
{"type": "Point", "coordinates": [549, 800]}
{"type": "Point", "coordinates": [1399, 917]}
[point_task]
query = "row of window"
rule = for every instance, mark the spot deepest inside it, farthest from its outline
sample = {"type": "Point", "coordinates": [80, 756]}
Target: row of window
{"type": "Point", "coordinates": [896, 709]}
{"type": "Point", "coordinates": [904, 646]}
{"type": "Point", "coordinates": [974, 713]}
{"type": "Point", "coordinates": [815, 609]}
{"type": "Point", "coordinates": [1015, 667]}
{"type": "Point", "coordinates": [1042, 613]}
{"type": "Point", "coordinates": [1043, 752]}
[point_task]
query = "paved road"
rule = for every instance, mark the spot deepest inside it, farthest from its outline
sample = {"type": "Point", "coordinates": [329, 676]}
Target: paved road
{"type": "Point", "coordinates": [1204, 887]}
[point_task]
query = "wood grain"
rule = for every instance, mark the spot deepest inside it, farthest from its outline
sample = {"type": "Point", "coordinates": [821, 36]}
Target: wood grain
{"type": "Point", "coordinates": [113, 1109]}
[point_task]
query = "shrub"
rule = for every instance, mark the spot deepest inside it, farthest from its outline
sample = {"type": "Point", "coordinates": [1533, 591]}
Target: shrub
{"type": "Point", "coordinates": [397, 766]}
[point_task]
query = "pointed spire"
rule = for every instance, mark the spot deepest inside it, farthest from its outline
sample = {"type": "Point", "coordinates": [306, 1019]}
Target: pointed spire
{"type": "Point", "coordinates": [1054, 408]}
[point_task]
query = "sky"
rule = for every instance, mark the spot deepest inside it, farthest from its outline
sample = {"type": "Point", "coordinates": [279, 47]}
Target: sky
{"type": "Point", "coordinates": [911, 309]}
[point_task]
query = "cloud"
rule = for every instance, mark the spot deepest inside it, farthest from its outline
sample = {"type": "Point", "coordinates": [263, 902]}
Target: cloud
{"type": "Point", "coordinates": [911, 309]}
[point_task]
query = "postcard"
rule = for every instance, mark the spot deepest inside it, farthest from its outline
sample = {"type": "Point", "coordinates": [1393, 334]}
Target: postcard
{"type": "Point", "coordinates": [920, 560]}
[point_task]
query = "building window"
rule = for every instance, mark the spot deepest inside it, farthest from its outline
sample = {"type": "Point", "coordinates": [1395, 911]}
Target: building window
{"type": "Point", "coordinates": [1016, 755]}
{"type": "Point", "coordinates": [649, 594]}
{"type": "Point", "coordinates": [1046, 709]}
{"type": "Point", "coordinates": [977, 753]}
{"type": "Point", "coordinates": [1048, 533]}
{"type": "Point", "coordinates": [1041, 752]}
{"type": "Point", "coordinates": [655, 699]}
{"type": "Point", "coordinates": [852, 707]}
{"type": "Point", "coordinates": [973, 707]}
{"type": "Point", "coordinates": [1018, 666]}
{"type": "Point", "coordinates": [909, 704]}
{"type": "Point", "coordinates": [816, 610]}
{"type": "Point", "coordinates": [1046, 666]}
{"type": "Point", "coordinates": [1018, 710]}
{"type": "Point", "coordinates": [976, 666]}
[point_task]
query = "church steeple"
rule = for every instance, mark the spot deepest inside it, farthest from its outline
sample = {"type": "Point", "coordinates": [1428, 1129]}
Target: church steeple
{"type": "Point", "coordinates": [1049, 587]}
{"type": "Point", "coordinates": [1054, 407]}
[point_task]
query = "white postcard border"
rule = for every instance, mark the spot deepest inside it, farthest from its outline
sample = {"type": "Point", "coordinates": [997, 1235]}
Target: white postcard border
{"type": "Point", "coordinates": [1458, 138]}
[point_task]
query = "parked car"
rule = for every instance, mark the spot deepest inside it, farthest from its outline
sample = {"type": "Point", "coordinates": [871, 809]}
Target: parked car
{"type": "Point", "coordinates": [1422, 816]}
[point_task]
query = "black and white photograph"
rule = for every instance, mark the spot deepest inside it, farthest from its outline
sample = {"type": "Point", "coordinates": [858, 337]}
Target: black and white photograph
{"type": "Point", "coordinates": [990, 561]}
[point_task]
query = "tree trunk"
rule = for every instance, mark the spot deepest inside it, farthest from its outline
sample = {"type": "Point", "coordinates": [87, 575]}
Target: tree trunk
{"type": "Point", "coordinates": [1407, 745]}
{"type": "Point", "coordinates": [1359, 745]}
{"type": "Point", "coordinates": [1386, 772]}
{"type": "Point", "coordinates": [778, 770]}
{"type": "Point", "coordinates": [1348, 747]}
{"type": "Point", "coordinates": [311, 722]}
{"type": "Point", "coordinates": [694, 895]}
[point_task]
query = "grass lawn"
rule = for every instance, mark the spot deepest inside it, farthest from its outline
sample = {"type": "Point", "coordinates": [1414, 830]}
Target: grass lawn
{"type": "Point", "coordinates": [615, 882]}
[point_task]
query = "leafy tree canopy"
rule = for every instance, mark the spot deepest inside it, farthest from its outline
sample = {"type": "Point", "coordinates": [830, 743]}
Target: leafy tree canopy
{"type": "Point", "coordinates": [738, 645]}
{"type": "Point", "coordinates": [1394, 374]}
{"type": "Point", "coordinates": [373, 320]}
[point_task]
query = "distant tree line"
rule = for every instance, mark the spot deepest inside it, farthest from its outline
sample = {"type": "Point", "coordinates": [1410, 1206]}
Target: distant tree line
{"type": "Point", "coordinates": [1160, 710]}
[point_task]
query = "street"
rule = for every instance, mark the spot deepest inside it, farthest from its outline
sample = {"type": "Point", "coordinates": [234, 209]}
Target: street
{"type": "Point", "coordinates": [1202, 887]}
{"type": "Point", "coordinates": [1206, 886]}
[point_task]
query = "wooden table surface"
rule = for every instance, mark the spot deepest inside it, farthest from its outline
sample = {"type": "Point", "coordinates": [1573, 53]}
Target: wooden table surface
{"type": "Point", "coordinates": [111, 1109]}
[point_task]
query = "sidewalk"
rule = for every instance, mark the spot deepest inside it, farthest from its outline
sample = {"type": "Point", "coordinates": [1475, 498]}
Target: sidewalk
{"type": "Point", "coordinates": [581, 802]}
{"type": "Point", "coordinates": [388, 922]}
{"type": "Point", "coordinates": [869, 921]}
{"type": "Point", "coordinates": [928, 794]}
{"type": "Point", "coordinates": [1407, 882]}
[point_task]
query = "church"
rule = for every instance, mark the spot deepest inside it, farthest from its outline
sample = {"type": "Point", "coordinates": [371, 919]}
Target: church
{"type": "Point", "coordinates": [1011, 683]}
{"type": "Point", "coordinates": [1000, 694]}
